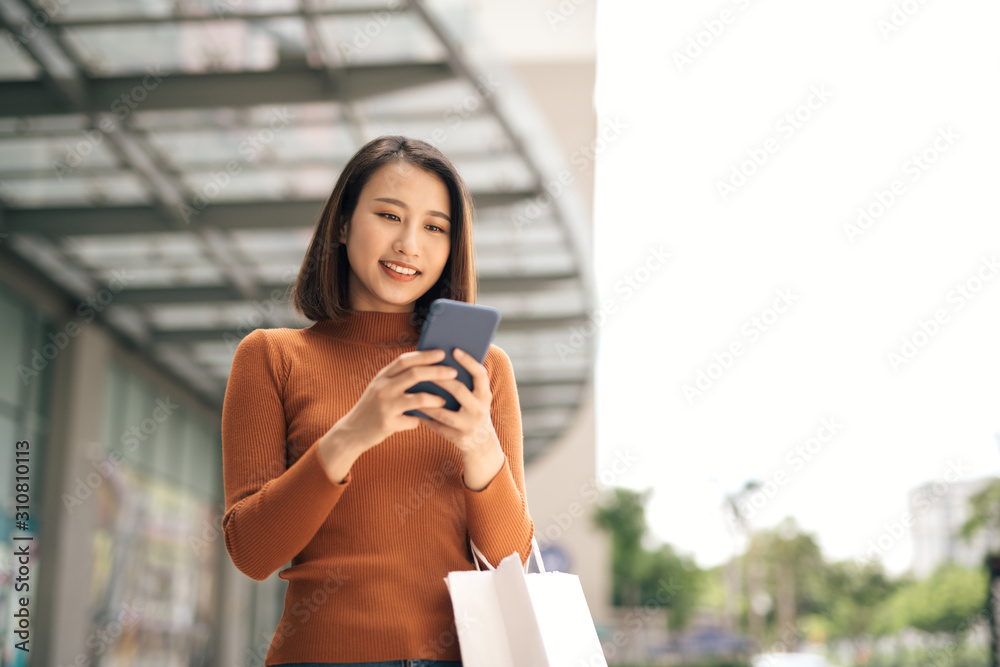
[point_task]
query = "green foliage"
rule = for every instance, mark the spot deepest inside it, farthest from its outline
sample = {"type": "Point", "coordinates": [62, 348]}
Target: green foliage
{"type": "Point", "coordinates": [962, 655]}
{"type": "Point", "coordinates": [853, 593]}
{"type": "Point", "coordinates": [944, 602]}
{"type": "Point", "coordinates": [843, 600]}
{"type": "Point", "coordinates": [640, 577]}
{"type": "Point", "coordinates": [624, 516]}
{"type": "Point", "coordinates": [670, 580]}
{"type": "Point", "coordinates": [984, 509]}
{"type": "Point", "coordinates": [788, 552]}
{"type": "Point", "coordinates": [713, 587]}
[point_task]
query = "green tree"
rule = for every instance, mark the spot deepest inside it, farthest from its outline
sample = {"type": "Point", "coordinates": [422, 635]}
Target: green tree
{"type": "Point", "coordinates": [944, 602]}
{"type": "Point", "coordinates": [792, 571]}
{"type": "Point", "coordinates": [665, 575]}
{"type": "Point", "coordinates": [853, 595]}
{"type": "Point", "coordinates": [624, 516]}
{"type": "Point", "coordinates": [984, 516]}
{"type": "Point", "coordinates": [641, 577]}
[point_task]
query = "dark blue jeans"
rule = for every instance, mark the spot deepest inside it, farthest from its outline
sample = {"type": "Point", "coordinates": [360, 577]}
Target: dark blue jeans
{"type": "Point", "coordinates": [385, 663]}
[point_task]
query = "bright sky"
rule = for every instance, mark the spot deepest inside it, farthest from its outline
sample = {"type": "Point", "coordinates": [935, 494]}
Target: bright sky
{"type": "Point", "coordinates": [928, 88]}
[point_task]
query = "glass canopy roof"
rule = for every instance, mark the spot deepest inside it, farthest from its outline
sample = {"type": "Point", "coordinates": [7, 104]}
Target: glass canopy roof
{"type": "Point", "coordinates": [116, 114]}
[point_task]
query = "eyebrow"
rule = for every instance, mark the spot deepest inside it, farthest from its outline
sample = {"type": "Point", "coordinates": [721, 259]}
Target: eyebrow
{"type": "Point", "coordinates": [390, 200]}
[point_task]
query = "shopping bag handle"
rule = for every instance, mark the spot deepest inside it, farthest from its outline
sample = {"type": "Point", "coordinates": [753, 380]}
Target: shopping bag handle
{"type": "Point", "coordinates": [477, 555]}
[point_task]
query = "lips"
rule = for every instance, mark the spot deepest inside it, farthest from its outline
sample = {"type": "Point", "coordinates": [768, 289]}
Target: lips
{"type": "Point", "coordinates": [401, 264]}
{"type": "Point", "coordinates": [398, 277]}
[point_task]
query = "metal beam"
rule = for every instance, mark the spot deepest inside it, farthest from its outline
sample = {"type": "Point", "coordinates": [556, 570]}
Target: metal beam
{"type": "Point", "coordinates": [218, 15]}
{"type": "Point", "coordinates": [86, 171]}
{"type": "Point", "coordinates": [150, 296]}
{"type": "Point", "coordinates": [266, 214]}
{"type": "Point", "coordinates": [42, 127]}
{"type": "Point", "coordinates": [200, 335]}
{"type": "Point", "coordinates": [282, 86]}
{"type": "Point", "coordinates": [550, 405]}
{"type": "Point", "coordinates": [72, 89]}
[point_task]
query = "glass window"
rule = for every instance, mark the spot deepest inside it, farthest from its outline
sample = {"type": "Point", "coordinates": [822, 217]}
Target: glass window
{"type": "Point", "coordinates": [139, 450]}
{"type": "Point", "coordinates": [113, 436]}
{"type": "Point", "coordinates": [12, 315]}
{"type": "Point", "coordinates": [23, 407]}
{"type": "Point", "coordinates": [203, 471]}
{"type": "Point", "coordinates": [168, 445]}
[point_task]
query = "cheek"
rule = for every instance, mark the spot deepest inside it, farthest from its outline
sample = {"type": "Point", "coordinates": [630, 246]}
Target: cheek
{"type": "Point", "coordinates": [444, 249]}
{"type": "Point", "coordinates": [365, 243]}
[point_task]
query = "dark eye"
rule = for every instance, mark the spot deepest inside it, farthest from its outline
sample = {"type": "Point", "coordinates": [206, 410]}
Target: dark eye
{"type": "Point", "coordinates": [393, 215]}
{"type": "Point", "coordinates": [437, 228]}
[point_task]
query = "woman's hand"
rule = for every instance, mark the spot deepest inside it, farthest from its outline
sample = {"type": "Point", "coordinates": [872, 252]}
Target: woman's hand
{"type": "Point", "coordinates": [470, 427]}
{"type": "Point", "coordinates": [379, 412]}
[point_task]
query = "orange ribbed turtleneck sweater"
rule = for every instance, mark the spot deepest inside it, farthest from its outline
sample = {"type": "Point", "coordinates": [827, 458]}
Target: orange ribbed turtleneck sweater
{"type": "Point", "coordinates": [369, 555]}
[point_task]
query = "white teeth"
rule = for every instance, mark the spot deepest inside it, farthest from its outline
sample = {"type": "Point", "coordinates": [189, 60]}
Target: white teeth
{"type": "Point", "coordinates": [399, 269]}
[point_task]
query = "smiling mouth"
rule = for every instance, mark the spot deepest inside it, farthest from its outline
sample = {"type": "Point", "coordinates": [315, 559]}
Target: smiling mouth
{"type": "Point", "coordinates": [403, 271]}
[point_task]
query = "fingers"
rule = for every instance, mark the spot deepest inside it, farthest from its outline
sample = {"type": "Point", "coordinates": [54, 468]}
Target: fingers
{"type": "Point", "coordinates": [424, 400]}
{"type": "Point", "coordinates": [411, 376]}
{"type": "Point", "coordinates": [458, 389]}
{"type": "Point", "coordinates": [409, 360]}
{"type": "Point", "coordinates": [480, 378]}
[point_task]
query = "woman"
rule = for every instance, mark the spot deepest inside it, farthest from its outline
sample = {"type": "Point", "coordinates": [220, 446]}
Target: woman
{"type": "Point", "coordinates": [373, 507]}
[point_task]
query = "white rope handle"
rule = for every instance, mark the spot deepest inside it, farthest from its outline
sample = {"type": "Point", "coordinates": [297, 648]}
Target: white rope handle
{"type": "Point", "coordinates": [477, 555]}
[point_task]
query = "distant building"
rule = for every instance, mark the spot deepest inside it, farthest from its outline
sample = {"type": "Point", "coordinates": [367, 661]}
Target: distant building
{"type": "Point", "coordinates": [939, 509]}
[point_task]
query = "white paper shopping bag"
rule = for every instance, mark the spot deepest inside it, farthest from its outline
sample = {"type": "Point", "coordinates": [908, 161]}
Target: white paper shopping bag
{"type": "Point", "coordinates": [508, 618]}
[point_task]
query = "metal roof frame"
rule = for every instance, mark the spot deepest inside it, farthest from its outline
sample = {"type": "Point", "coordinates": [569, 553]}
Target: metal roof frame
{"type": "Point", "coordinates": [66, 89]}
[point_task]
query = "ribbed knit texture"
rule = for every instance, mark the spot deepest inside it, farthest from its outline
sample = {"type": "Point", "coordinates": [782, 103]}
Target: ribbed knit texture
{"type": "Point", "coordinates": [368, 556]}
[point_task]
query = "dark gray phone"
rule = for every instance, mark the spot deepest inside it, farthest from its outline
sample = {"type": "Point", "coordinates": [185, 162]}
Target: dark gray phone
{"type": "Point", "coordinates": [452, 324]}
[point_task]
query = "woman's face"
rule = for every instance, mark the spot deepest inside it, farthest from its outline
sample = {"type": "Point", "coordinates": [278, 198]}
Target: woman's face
{"type": "Point", "coordinates": [403, 217]}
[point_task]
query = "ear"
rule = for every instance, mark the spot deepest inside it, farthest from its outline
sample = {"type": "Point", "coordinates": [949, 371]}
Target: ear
{"type": "Point", "coordinates": [343, 234]}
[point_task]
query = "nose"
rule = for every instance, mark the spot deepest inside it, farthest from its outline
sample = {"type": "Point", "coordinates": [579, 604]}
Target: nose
{"type": "Point", "coordinates": [406, 242]}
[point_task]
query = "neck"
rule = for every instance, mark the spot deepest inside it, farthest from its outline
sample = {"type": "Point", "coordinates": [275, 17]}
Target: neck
{"type": "Point", "coordinates": [372, 326]}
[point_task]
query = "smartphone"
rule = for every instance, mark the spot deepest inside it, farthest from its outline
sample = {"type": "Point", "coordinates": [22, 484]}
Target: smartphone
{"type": "Point", "coordinates": [452, 324]}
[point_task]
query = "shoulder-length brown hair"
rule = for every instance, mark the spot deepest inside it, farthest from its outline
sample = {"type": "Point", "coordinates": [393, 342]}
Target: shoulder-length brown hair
{"type": "Point", "coordinates": [321, 289]}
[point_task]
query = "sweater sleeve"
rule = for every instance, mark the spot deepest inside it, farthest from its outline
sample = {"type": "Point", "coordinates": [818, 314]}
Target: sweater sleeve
{"type": "Point", "coordinates": [497, 515]}
{"type": "Point", "coordinates": [266, 522]}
